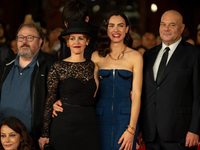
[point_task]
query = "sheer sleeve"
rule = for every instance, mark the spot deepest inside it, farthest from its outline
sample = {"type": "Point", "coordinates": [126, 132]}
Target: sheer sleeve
{"type": "Point", "coordinates": [52, 86]}
{"type": "Point", "coordinates": [60, 71]}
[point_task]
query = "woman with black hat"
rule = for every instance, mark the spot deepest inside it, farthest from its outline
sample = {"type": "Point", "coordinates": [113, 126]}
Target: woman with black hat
{"type": "Point", "coordinates": [72, 81]}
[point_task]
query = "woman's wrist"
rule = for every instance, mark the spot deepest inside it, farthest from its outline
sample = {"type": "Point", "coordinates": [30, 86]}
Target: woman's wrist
{"type": "Point", "coordinates": [132, 133]}
{"type": "Point", "coordinates": [131, 128]}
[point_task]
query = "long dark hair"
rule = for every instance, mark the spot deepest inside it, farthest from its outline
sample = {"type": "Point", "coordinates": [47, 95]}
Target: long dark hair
{"type": "Point", "coordinates": [16, 125]}
{"type": "Point", "coordinates": [104, 40]}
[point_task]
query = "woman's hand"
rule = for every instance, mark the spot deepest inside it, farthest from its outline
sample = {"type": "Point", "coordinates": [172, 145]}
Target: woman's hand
{"type": "Point", "coordinates": [57, 107]}
{"type": "Point", "coordinates": [42, 141]}
{"type": "Point", "coordinates": [127, 139]}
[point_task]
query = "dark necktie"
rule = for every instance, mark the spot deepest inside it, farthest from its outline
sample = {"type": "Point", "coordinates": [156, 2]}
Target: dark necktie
{"type": "Point", "coordinates": [162, 65]}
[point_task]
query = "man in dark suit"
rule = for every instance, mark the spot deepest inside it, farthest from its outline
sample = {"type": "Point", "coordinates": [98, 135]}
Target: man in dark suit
{"type": "Point", "coordinates": [170, 117]}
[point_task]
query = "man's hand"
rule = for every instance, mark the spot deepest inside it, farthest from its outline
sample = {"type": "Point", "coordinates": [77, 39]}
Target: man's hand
{"type": "Point", "coordinates": [191, 139]}
{"type": "Point", "coordinates": [140, 140]}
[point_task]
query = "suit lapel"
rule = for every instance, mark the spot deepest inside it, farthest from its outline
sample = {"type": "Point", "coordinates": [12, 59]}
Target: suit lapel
{"type": "Point", "coordinates": [152, 61]}
{"type": "Point", "coordinates": [175, 58]}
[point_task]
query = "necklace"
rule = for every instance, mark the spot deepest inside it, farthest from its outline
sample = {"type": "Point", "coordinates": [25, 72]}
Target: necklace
{"type": "Point", "coordinates": [120, 55]}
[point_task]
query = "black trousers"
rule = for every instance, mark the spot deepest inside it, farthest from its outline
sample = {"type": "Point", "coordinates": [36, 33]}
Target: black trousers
{"type": "Point", "coordinates": [159, 144]}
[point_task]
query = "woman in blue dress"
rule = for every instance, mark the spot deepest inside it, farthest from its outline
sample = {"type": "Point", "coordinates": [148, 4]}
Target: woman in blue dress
{"type": "Point", "coordinates": [119, 69]}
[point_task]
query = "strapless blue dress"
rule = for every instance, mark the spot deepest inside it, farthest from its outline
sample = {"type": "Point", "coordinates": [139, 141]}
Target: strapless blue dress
{"type": "Point", "coordinates": [113, 106]}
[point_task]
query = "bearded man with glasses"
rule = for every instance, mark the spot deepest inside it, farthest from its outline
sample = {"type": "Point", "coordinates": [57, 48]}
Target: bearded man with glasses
{"type": "Point", "coordinates": [23, 80]}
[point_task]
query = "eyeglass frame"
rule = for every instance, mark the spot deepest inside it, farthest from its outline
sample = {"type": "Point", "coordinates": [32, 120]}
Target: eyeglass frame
{"type": "Point", "coordinates": [26, 37]}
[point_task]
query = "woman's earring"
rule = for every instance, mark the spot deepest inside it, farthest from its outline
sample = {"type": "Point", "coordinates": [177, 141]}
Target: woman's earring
{"type": "Point", "coordinates": [87, 43]}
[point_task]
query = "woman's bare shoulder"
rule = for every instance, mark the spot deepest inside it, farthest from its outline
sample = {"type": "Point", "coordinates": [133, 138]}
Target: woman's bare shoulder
{"type": "Point", "coordinates": [95, 56]}
{"type": "Point", "coordinates": [133, 53]}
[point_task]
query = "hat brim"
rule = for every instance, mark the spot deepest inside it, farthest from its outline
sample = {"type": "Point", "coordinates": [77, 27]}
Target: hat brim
{"type": "Point", "coordinates": [76, 30]}
{"type": "Point", "coordinates": [80, 27]}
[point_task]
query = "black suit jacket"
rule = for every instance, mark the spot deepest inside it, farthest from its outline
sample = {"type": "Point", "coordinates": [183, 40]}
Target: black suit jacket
{"type": "Point", "coordinates": [172, 108]}
{"type": "Point", "coordinates": [6, 54]}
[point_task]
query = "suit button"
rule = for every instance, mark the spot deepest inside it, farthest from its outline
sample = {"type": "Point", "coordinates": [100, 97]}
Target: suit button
{"type": "Point", "coordinates": [158, 88]}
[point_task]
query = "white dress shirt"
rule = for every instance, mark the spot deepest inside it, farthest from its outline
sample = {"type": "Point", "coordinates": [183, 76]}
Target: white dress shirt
{"type": "Point", "coordinates": [160, 54]}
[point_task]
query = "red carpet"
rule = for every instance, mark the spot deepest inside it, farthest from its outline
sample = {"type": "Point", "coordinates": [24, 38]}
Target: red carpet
{"type": "Point", "coordinates": [140, 148]}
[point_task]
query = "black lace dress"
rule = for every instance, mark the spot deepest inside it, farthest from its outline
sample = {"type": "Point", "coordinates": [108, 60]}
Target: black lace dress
{"type": "Point", "coordinates": [75, 128]}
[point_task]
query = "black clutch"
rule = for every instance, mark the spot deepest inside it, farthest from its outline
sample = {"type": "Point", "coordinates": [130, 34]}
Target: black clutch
{"type": "Point", "coordinates": [48, 147]}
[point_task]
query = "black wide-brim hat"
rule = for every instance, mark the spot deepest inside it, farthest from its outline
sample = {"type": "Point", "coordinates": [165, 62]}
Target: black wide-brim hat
{"type": "Point", "coordinates": [77, 27]}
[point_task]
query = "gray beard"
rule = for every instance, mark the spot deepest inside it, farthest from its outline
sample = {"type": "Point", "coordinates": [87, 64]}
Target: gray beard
{"type": "Point", "coordinates": [26, 55]}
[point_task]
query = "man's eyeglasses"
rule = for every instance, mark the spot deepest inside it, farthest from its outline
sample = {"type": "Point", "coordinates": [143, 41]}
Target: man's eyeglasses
{"type": "Point", "coordinates": [29, 38]}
